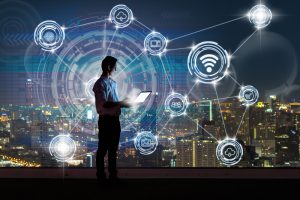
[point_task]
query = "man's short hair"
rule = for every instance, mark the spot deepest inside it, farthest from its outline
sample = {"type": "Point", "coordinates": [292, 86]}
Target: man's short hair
{"type": "Point", "coordinates": [108, 61]}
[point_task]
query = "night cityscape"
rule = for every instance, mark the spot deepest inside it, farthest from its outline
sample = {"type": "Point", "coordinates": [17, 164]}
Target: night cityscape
{"type": "Point", "coordinates": [269, 135]}
{"type": "Point", "coordinates": [139, 99]}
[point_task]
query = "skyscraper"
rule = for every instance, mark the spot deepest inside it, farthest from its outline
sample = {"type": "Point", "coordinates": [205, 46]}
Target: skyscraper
{"type": "Point", "coordinates": [286, 145]}
{"type": "Point", "coordinates": [196, 152]}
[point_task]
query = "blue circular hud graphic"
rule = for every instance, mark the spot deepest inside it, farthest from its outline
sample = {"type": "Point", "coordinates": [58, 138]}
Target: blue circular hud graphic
{"type": "Point", "coordinates": [155, 43]}
{"type": "Point", "coordinates": [248, 95]}
{"type": "Point", "coordinates": [74, 69]}
{"type": "Point", "coordinates": [49, 35]}
{"type": "Point", "coordinates": [176, 104]}
{"type": "Point", "coordinates": [229, 152]}
{"type": "Point", "coordinates": [208, 61]}
{"type": "Point", "coordinates": [146, 143]}
{"type": "Point", "coordinates": [121, 16]}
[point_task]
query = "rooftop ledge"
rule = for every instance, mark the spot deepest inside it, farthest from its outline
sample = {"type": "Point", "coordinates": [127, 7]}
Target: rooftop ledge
{"type": "Point", "coordinates": [144, 173]}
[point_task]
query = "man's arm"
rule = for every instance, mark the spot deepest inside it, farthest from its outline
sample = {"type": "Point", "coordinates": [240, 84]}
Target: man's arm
{"type": "Point", "coordinates": [101, 99]}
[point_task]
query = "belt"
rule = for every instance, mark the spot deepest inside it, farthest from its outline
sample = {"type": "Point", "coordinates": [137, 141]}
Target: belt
{"type": "Point", "coordinates": [108, 116]}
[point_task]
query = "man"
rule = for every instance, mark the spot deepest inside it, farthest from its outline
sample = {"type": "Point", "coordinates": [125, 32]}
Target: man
{"type": "Point", "coordinates": [109, 109]}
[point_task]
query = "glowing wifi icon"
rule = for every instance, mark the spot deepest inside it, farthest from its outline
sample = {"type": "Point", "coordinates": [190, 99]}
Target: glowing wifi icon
{"type": "Point", "coordinates": [209, 61]}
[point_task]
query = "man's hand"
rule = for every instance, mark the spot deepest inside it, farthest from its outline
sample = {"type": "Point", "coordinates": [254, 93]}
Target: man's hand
{"type": "Point", "coordinates": [126, 103]}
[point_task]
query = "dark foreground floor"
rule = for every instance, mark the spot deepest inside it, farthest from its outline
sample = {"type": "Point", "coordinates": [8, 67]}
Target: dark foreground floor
{"type": "Point", "coordinates": [140, 189]}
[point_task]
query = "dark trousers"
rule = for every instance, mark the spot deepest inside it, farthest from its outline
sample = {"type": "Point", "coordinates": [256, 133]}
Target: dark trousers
{"type": "Point", "coordinates": [109, 136]}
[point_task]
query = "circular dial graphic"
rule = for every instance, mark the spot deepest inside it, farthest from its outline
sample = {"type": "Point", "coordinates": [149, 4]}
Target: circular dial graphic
{"type": "Point", "coordinates": [121, 16]}
{"type": "Point", "coordinates": [155, 43]}
{"type": "Point", "coordinates": [229, 152]}
{"type": "Point", "coordinates": [208, 61]}
{"type": "Point", "coordinates": [248, 95]}
{"type": "Point", "coordinates": [146, 143]}
{"type": "Point", "coordinates": [49, 35]}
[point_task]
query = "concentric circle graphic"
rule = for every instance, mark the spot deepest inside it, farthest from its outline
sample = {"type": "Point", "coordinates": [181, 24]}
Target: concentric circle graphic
{"type": "Point", "coordinates": [146, 143]}
{"type": "Point", "coordinates": [155, 43]}
{"type": "Point", "coordinates": [121, 16]}
{"type": "Point", "coordinates": [229, 152]}
{"type": "Point", "coordinates": [62, 147]}
{"type": "Point", "coordinates": [248, 95]}
{"type": "Point", "coordinates": [260, 16]}
{"type": "Point", "coordinates": [208, 61]}
{"type": "Point", "coordinates": [17, 20]}
{"type": "Point", "coordinates": [49, 35]}
{"type": "Point", "coordinates": [176, 104]}
{"type": "Point", "coordinates": [77, 66]}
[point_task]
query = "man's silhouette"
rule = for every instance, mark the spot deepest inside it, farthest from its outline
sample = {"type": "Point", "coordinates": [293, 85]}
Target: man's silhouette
{"type": "Point", "coordinates": [109, 109]}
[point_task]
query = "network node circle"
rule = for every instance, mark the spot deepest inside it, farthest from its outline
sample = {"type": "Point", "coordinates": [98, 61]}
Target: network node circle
{"type": "Point", "coordinates": [49, 35]}
{"type": "Point", "coordinates": [146, 143]}
{"type": "Point", "coordinates": [155, 43]}
{"type": "Point", "coordinates": [248, 95]}
{"type": "Point", "coordinates": [260, 16]}
{"type": "Point", "coordinates": [62, 148]}
{"type": "Point", "coordinates": [208, 61]}
{"type": "Point", "coordinates": [229, 152]}
{"type": "Point", "coordinates": [176, 104]}
{"type": "Point", "coordinates": [121, 16]}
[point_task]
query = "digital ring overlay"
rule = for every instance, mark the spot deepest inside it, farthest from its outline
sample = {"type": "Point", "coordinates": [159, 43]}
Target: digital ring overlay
{"type": "Point", "coordinates": [209, 51]}
{"type": "Point", "coordinates": [229, 152]}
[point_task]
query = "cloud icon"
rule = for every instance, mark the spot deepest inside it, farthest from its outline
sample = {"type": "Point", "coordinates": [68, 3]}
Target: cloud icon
{"type": "Point", "coordinates": [121, 16]}
{"type": "Point", "coordinates": [230, 152]}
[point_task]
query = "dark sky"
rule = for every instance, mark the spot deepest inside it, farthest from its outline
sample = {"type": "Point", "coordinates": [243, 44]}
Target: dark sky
{"type": "Point", "coordinates": [273, 67]}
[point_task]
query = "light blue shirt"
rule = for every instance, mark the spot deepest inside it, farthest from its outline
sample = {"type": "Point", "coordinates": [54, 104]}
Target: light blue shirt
{"type": "Point", "coordinates": [105, 90]}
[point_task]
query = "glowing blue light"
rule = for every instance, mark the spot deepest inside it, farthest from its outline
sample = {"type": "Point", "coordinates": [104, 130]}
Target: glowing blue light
{"type": "Point", "coordinates": [62, 147]}
{"type": "Point", "coordinates": [260, 16]}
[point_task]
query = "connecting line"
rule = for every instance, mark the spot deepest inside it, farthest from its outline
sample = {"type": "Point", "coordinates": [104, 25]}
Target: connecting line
{"type": "Point", "coordinates": [69, 67]}
{"type": "Point", "coordinates": [225, 98]}
{"type": "Point", "coordinates": [166, 73]}
{"type": "Point", "coordinates": [142, 24]}
{"type": "Point", "coordinates": [111, 40]}
{"type": "Point", "coordinates": [79, 118]}
{"type": "Point", "coordinates": [104, 38]}
{"type": "Point", "coordinates": [241, 121]}
{"type": "Point", "coordinates": [129, 64]}
{"type": "Point", "coordinates": [244, 42]}
{"type": "Point", "coordinates": [130, 124]}
{"type": "Point", "coordinates": [191, 89]}
{"type": "Point", "coordinates": [85, 24]}
{"type": "Point", "coordinates": [220, 109]}
{"type": "Point", "coordinates": [207, 28]}
{"type": "Point", "coordinates": [202, 128]}
{"type": "Point", "coordinates": [164, 126]}
{"type": "Point", "coordinates": [234, 80]}
{"type": "Point", "coordinates": [183, 48]}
